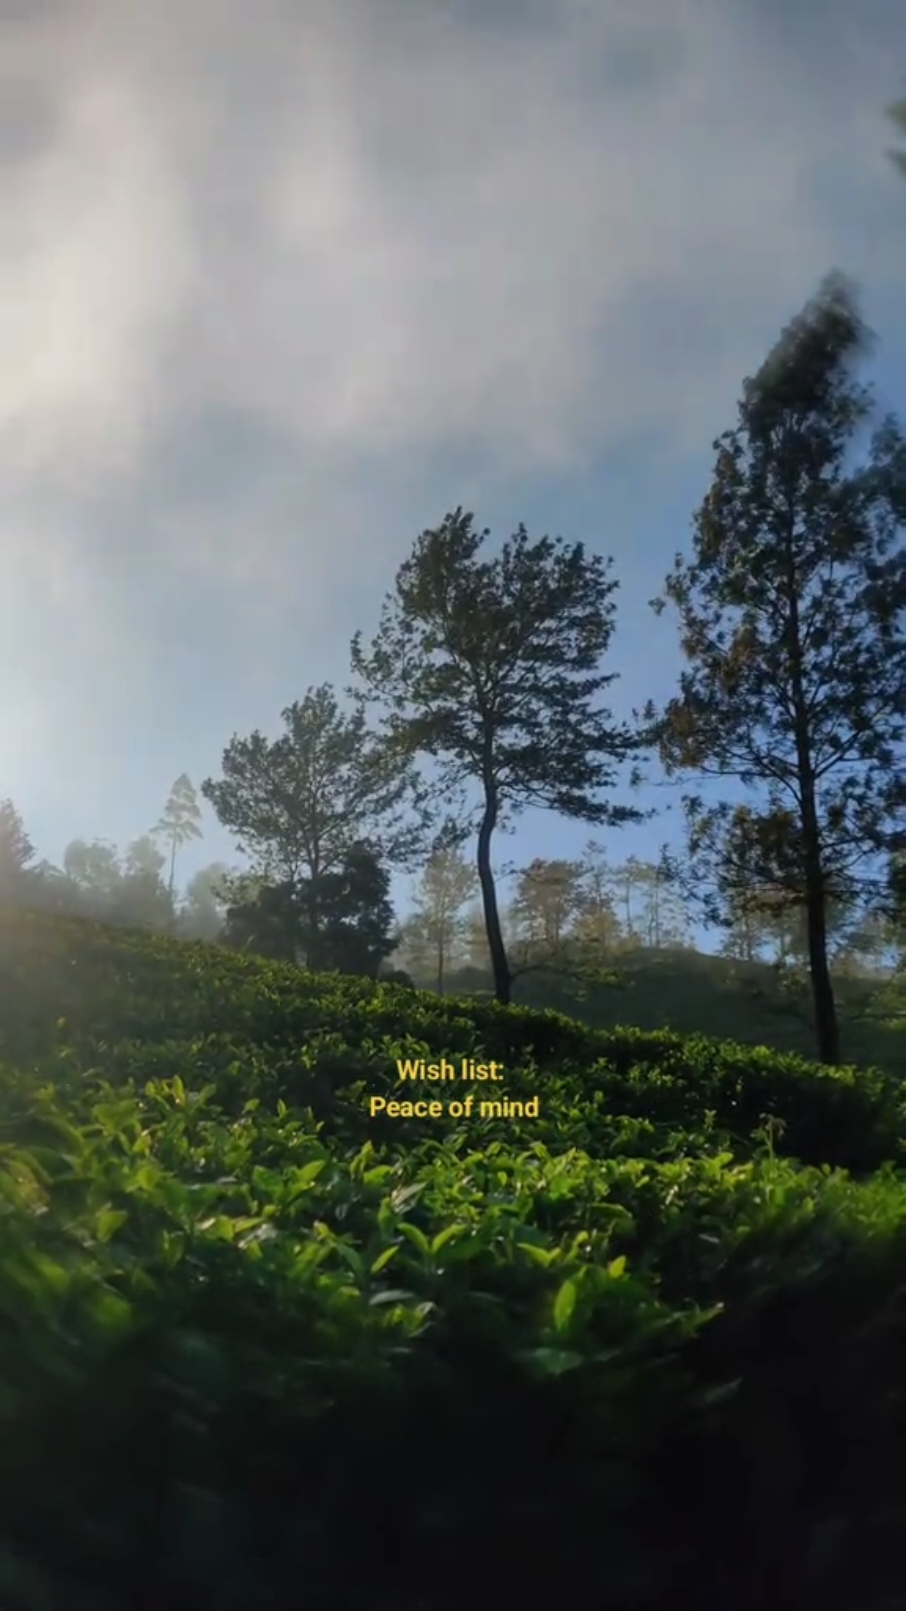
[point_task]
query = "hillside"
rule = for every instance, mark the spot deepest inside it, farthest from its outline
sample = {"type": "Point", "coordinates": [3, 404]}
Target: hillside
{"type": "Point", "coordinates": [695, 992]}
{"type": "Point", "coordinates": [261, 1347]}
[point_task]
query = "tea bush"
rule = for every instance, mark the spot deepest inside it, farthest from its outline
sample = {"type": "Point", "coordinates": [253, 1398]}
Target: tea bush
{"type": "Point", "coordinates": [260, 1349]}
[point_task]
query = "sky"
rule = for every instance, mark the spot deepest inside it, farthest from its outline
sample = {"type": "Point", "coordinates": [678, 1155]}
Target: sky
{"type": "Point", "coordinates": [282, 284]}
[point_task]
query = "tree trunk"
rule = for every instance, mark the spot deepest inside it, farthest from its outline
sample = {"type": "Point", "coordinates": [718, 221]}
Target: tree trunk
{"type": "Point", "coordinates": [503, 980]}
{"type": "Point", "coordinates": [171, 921]}
{"type": "Point", "coordinates": [827, 1030]}
{"type": "Point", "coordinates": [313, 956]}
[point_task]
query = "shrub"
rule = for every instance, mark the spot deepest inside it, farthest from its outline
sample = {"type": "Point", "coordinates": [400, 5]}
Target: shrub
{"type": "Point", "coordinates": [258, 1349]}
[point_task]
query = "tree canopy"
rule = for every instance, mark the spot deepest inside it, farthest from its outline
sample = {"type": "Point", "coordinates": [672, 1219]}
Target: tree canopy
{"type": "Point", "coordinates": [302, 803]}
{"type": "Point", "coordinates": [791, 614]}
{"type": "Point", "coordinates": [491, 667]}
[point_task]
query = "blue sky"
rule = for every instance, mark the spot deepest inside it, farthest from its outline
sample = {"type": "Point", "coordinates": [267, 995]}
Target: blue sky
{"type": "Point", "coordinates": [283, 284]}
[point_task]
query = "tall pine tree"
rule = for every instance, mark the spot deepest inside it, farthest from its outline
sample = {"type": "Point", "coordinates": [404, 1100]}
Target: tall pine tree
{"type": "Point", "coordinates": [177, 826]}
{"type": "Point", "coordinates": [791, 617]}
{"type": "Point", "coordinates": [492, 667]}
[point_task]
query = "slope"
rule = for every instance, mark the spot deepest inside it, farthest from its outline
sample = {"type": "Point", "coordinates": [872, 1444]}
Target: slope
{"type": "Point", "coordinates": [261, 1347]}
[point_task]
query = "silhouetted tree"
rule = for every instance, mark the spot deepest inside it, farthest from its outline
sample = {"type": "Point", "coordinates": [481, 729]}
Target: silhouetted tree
{"type": "Point", "coordinates": [491, 668]}
{"type": "Point", "coordinates": [354, 917]}
{"type": "Point", "coordinates": [357, 915]}
{"type": "Point", "coordinates": [299, 803]}
{"type": "Point", "coordinates": [266, 920]}
{"type": "Point", "coordinates": [791, 616]}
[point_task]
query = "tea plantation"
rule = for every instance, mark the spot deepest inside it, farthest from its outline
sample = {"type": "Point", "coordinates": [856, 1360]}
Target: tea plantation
{"type": "Point", "coordinates": [262, 1348]}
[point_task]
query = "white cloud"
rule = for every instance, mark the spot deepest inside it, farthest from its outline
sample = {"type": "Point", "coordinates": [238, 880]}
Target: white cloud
{"type": "Point", "coordinates": [95, 262]}
{"type": "Point", "coordinates": [381, 228]}
{"type": "Point", "coordinates": [380, 235]}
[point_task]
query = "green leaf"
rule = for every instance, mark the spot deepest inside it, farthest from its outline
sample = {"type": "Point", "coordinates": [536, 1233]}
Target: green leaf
{"type": "Point", "coordinates": [404, 1195]}
{"type": "Point", "coordinates": [109, 1221]}
{"type": "Point", "coordinates": [354, 1259]}
{"type": "Point", "coordinates": [552, 1361]}
{"type": "Point", "coordinates": [416, 1237]}
{"type": "Point", "coordinates": [219, 1226]}
{"type": "Point", "coordinates": [447, 1235]}
{"type": "Point", "coordinates": [307, 1175]}
{"type": "Point", "coordinates": [565, 1304]}
{"type": "Point", "coordinates": [545, 1256]}
{"type": "Point", "coordinates": [378, 1175]}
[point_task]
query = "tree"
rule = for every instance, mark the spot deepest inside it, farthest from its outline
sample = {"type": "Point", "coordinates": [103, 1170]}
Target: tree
{"type": "Point", "coordinates": [355, 917]}
{"type": "Point", "coordinates": [490, 667]}
{"type": "Point", "coordinates": [893, 901]}
{"type": "Point", "coordinates": [658, 915]}
{"type": "Point", "coordinates": [177, 826]}
{"type": "Point", "coordinates": [437, 925]}
{"type": "Point", "coordinates": [203, 909]}
{"type": "Point", "coordinates": [98, 883]}
{"type": "Point", "coordinates": [264, 918]}
{"type": "Point", "coordinates": [869, 947]}
{"type": "Point", "coordinates": [545, 906]}
{"type": "Point", "coordinates": [94, 873]}
{"type": "Point", "coordinates": [16, 854]}
{"type": "Point", "coordinates": [791, 618]}
{"type": "Point", "coordinates": [597, 926]}
{"type": "Point", "coordinates": [141, 899]}
{"type": "Point", "coordinates": [475, 938]}
{"type": "Point", "coordinates": [626, 881]}
{"type": "Point", "coordinates": [49, 890]}
{"type": "Point", "coordinates": [300, 803]}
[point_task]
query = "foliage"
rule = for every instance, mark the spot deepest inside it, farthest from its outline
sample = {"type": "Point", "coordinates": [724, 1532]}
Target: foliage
{"type": "Point", "coordinates": [94, 869]}
{"type": "Point", "coordinates": [354, 916]}
{"type": "Point", "coordinates": [792, 628]}
{"type": "Point", "coordinates": [236, 1312]}
{"type": "Point", "coordinates": [562, 919]}
{"type": "Point", "coordinates": [202, 910]}
{"type": "Point", "coordinates": [177, 827]}
{"type": "Point", "coordinates": [96, 881]}
{"type": "Point", "coordinates": [16, 853]}
{"type": "Point", "coordinates": [491, 667]}
{"type": "Point", "coordinates": [546, 903]}
{"type": "Point", "coordinates": [142, 896]}
{"type": "Point", "coordinates": [359, 932]}
{"type": "Point", "coordinates": [432, 936]}
{"type": "Point", "coordinates": [300, 805]}
{"type": "Point", "coordinates": [759, 1003]}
